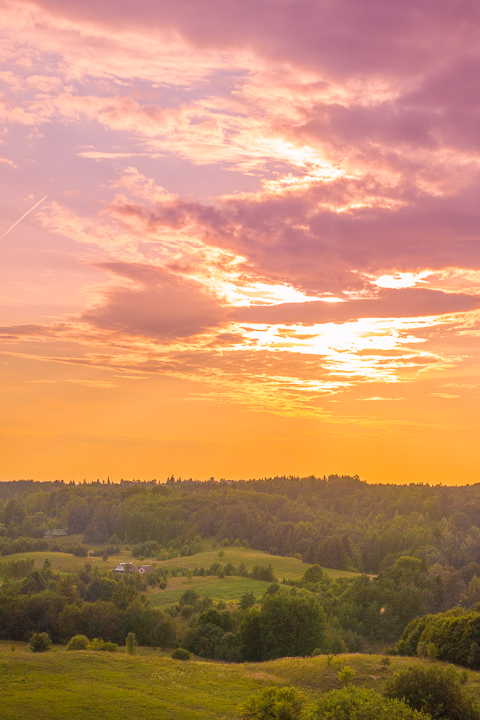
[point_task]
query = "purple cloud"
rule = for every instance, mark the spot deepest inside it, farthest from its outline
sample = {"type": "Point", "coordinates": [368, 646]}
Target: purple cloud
{"type": "Point", "coordinates": [164, 307]}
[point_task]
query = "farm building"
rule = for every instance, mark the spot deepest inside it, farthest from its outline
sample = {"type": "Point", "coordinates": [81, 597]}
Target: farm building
{"type": "Point", "coordinates": [51, 534]}
{"type": "Point", "coordinates": [125, 568]}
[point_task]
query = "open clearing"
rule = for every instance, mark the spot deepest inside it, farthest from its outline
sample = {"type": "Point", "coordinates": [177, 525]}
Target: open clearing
{"type": "Point", "coordinates": [116, 686]}
{"type": "Point", "coordinates": [228, 589]}
{"type": "Point", "coordinates": [289, 568]}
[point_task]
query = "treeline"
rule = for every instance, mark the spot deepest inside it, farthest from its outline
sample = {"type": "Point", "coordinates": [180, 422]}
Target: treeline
{"type": "Point", "coordinates": [338, 522]}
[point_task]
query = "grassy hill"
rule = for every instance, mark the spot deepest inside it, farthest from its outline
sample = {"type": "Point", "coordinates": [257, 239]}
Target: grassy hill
{"type": "Point", "coordinates": [289, 568]}
{"type": "Point", "coordinates": [284, 567]}
{"type": "Point", "coordinates": [228, 589]}
{"type": "Point", "coordinates": [85, 685]}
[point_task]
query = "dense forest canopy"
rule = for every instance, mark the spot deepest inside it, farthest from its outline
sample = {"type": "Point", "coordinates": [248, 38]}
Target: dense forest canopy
{"type": "Point", "coordinates": [420, 545]}
{"type": "Point", "coordinates": [338, 522]}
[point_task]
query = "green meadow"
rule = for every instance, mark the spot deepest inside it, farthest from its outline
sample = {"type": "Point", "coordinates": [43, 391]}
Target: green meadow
{"type": "Point", "coordinates": [228, 589]}
{"type": "Point", "coordinates": [116, 686]}
{"type": "Point", "coordinates": [63, 562]}
{"type": "Point", "coordinates": [289, 568]}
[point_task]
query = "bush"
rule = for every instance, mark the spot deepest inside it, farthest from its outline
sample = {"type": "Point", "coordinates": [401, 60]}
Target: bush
{"type": "Point", "coordinates": [78, 642]}
{"type": "Point", "coordinates": [434, 690]}
{"type": "Point", "coordinates": [97, 644]}
{"type": "Point", "coordinates": [131, 643]}
{"type": "Point", "coordinates": [180, 654]}
{"type": "Point", "coordinates": [354, 703]}
{"type": "Point", "coordinates": [346, 674]}
{"type": "Point", "coordinates": [272, 703]}
{"type": "Point", "coordinates": [80, 551]}
{"type": "Point", "coordinates": [40, 642]}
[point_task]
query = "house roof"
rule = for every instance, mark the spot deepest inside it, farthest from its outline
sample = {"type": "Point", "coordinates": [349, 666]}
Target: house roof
{"type": "Point", "coordinates": [146, 568]}
{"type": "Point", "coordinates": [126, 568]}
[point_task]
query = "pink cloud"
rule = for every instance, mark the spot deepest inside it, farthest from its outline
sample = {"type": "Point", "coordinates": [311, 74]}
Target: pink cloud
{"type": "Point", "coordinates": [164, 306]}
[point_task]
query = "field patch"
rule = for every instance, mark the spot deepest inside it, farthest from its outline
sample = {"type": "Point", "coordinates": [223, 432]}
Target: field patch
{"type": "Point", "coordinates": [86, 685]}
{"type": "Point", "coordinates": [229, 589]}
{"type": "Point", "coordinates": [290, 568]}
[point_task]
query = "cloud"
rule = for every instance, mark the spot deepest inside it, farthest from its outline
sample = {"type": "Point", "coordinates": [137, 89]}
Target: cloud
{"type": "Point", "coordinates": [164, 306]}
{"type": "Point", "coordinates": [408, 302]}
{"type": "Point", "coordinates": [103, 384]}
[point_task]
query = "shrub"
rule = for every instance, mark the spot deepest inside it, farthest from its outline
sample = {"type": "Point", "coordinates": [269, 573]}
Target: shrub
{"type": "Point", "coordinates": [346, 674]}
{"type": "Point", "coordinates": [80, 551]}
{"type": "Point", "coordinates": [78, 642]}
{"type": "Point", "coordinates": [97, 644]}
{"type": "Point", "coordinates": [354, 703]}
{"type": "Point", "coordinates": [131, 643]}
{"type": "Point", "coordinates": [40, 642]}
{"type": "Point", "coordinates": [435, 691]}
{"type": "Point", "coordinates": [180, 654]}
{"type": "Point", "coordinates": [272, 703]}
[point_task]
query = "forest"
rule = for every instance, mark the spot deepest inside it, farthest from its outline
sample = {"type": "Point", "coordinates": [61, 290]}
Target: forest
{"type": "Point", "coordinates": [414, 551]}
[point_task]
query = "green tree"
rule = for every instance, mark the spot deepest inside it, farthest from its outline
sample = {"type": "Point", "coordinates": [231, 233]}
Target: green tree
{"type": "Point", "coordinates": [131, 643]}
{"type": "Point", "coordinates": [247, 600]}
{"type": "Point", "coordinates": [40, 642]}
{"type": "Point", "coordinates": [285, 626]}
{"type": "Point", "coordinates": [435, 691]}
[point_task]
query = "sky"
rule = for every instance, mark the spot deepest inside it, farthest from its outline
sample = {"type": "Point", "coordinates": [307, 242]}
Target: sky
{"type": "Point", "coordinates": [248, 240]}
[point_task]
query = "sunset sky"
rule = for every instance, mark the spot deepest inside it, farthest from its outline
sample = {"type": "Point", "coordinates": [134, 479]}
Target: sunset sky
{"type": "Point", "coordinates": [256, 242]}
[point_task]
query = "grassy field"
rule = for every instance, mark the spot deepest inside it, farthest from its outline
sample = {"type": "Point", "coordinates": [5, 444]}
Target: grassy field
{"type": "Point", "coordinates": [289, 568]}
{"type": "Point", "coordinates": [64, 562]}
{"type": "Point", "coordinates": [85, 685]}
{"type": "Point", "coordinates": [283, 567]}
{"type": "Point", "coordinates": [228, 589]}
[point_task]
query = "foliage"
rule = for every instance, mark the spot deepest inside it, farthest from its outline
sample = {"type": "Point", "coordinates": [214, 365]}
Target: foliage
{"type": "Point", "coordinates": [247, 601]}
{"type": "Point", "coordinates": [78, 642]}
{"type": "Point", "coordinates": [354, 703]}
{"type": "Point", "coordinates": [102, 645]}
{"type": "Point", "coordinates": [435, 691]}
{"type": "Point", "coordinates": [286, 625]}
{"type": "Point", "coordinates": [422, 543]}
{"type": "Point", "coordinates": [451, 636]}
{"type": "Point", "coordinates": [180, 654]}
{"type": "Point", "coordinates": [131, 643]}
{"type": "Point", "coordinates": [346, 674]}
{"type": "Point", "coordinates": [17, 568]}
{"type": "Point", "coordinates": [274, 703]}
{"type": "Point", "coordinates": [40, 642]}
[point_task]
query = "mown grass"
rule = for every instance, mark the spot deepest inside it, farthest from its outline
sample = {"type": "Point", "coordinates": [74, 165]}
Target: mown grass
{"type": "Point", "coordinates": [86, 685]}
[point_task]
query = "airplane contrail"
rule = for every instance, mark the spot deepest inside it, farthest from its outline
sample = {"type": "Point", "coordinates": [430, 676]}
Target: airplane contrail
{"type": "Point", "coordinates": [24, 215]}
